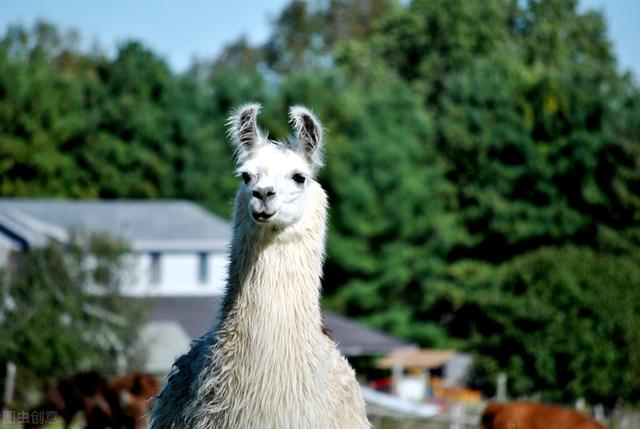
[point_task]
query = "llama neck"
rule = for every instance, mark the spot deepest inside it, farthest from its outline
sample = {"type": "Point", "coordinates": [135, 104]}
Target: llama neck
{"type": "Point", "coordinates": [269, 352]}
{"type": "Point", "coordinates": [275, 274]}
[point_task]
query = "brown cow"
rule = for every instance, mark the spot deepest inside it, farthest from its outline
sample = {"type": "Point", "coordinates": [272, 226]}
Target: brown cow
{"type": "Point", "coordinates": [530, 415]}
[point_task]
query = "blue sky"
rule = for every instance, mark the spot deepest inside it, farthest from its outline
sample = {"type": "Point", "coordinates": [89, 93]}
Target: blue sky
{"type": "Point", "coordinates": [623, 19]}
{"type": "Point", "coordinates": [187, 29]}
{"type": "Point", "coordinates": [177, 30]}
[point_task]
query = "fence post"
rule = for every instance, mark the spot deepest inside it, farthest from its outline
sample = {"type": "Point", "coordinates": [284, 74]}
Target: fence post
{"type": "Point", "coordinates": [397, 372]}
{"type": "Point", "coordinates": [501, 387]}
{"type": "Point", "coordinates": [9, 385]}
{"type": "Point", "coordinates": [598, 412]}
{"type": "Point", "coordinates": [457, 416]}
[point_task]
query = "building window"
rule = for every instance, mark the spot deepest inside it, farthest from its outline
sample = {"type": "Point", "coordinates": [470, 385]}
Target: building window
{"type": "Point", "coordinates": [203, 268]}
{"type": "Point", "coordinates": [154, 274]}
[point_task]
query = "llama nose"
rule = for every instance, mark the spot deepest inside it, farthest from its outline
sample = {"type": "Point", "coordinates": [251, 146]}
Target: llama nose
{"type": "Point", "coordinates": [264, 194]}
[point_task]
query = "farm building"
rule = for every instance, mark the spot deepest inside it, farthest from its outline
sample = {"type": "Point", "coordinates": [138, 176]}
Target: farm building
{"type": "Point", "coordinates": [177, 247]}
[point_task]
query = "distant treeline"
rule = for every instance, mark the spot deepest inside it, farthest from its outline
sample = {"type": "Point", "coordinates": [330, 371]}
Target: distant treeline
{"type": "Point", "coordinates": [483, 166]}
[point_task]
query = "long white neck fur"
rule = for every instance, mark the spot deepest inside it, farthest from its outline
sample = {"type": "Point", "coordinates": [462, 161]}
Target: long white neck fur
{"type": "Point", "coordinates": [267, 349]}
{"type": "Point", "coordinates": [275, 268]}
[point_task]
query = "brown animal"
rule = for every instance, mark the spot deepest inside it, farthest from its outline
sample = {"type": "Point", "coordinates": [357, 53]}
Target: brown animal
{"type": "Point", "coordinates": [121, 402]}
{"type": "Point", "coordinates": [131, 396]}
{"type": "Point", "coordinates": [71, 394]}
{"type": "Point", "coordinates": [530, 415]}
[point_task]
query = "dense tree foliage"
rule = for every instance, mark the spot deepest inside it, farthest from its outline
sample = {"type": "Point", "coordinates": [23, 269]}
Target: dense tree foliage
{"type": "Point", "coordinates": [483, 166]}
{"type": "Point", "coordinates": [559, 319]}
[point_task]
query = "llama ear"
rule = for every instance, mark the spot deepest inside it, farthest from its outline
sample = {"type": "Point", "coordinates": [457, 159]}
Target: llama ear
{"type": "Point", "coordinates": [243, 129]}
{"type": "Point", "coordinates": [309, 133]}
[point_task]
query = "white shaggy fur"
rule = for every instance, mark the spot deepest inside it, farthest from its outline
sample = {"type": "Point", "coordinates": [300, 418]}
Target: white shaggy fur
{"type": "Point", "coordinates": [267, 363]}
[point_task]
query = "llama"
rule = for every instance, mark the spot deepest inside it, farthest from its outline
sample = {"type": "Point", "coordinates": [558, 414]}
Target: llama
{"type": "Point", "coordinates": [267, 364]}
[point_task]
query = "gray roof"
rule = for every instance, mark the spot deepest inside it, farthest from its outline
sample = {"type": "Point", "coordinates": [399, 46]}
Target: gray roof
{"type": "Point", "coordinates": [355, 339]}
{"type": "Point", "coordinates": [145, 224]}
{"type": "Point", "coordinates": [196, 314]}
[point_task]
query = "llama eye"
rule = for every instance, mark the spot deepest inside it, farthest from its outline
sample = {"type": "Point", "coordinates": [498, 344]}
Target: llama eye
{"type": "Point", "coordinates": [246, 177]}
{"type": "Point", "coordinates": [298, 178]}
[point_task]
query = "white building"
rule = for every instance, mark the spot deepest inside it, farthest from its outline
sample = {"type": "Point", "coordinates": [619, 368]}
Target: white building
{"type": "Point", "coordinates": [178, 248]}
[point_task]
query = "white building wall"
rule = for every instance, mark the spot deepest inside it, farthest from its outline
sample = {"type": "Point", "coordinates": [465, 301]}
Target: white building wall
{"type": "Point", "coordinates": [179, 274]}
{"type": "Point", "coordinates": [218, 266]}
{"type": "Point", "coordinates": [178, 271]}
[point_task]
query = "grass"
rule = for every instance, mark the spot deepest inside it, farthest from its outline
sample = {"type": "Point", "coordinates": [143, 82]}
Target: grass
{"type": "Point", "coordinates": [391, 423]}
{"type": "Point", "coordinates": [57, 425]}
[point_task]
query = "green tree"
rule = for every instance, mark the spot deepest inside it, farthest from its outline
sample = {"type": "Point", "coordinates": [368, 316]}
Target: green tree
{"type": "Point", "coordinates": [427, 40]}
{"type": "Point", "coordinates": [63, 310]}
{"type": "Point", "coordinates": [561, 322]}
{"type": "Point", "coordinates": [41, 100]}
{"type": "Point", "coordinates": [133, 134]}
{"type": "Point", "coordinates": [305, 34]}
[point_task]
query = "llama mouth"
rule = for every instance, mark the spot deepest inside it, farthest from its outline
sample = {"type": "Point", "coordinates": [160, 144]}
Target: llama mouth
{"type": "Point", "coordinates": [262, 217]}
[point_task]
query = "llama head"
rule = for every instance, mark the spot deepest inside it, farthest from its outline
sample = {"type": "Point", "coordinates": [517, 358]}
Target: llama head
{"type": "Point", "coordinates": [277, 176]}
